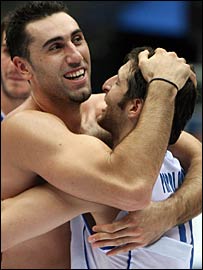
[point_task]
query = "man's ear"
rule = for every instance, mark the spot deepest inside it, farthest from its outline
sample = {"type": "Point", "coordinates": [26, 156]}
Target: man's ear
{"type": "Point", "coordinates": [134, 108]}
{"type": "Point", "coordinates": [22, 67]}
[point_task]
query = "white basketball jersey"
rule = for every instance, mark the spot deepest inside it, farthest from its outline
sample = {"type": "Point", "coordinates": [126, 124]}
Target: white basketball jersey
{"type": "Point", "coordinates": [173, 251]}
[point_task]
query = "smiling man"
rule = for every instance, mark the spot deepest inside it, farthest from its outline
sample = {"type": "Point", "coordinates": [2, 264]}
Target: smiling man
{"type": "Point", "coordinates": [42, 139]}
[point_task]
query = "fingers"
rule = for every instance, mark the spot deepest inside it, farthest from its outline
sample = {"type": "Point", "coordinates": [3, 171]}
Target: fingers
{"type": "Point", "coordinates": [160, 50]}
{"type": "Point", "coordinates": [113, 242]}
{"type": "Point", "coordinates": [193, 78]}
{"type": "Point", "coordinates": [182, 59]}
{"type": "Point", "coordinates": [143, 56]}
{"type": "Point", "coordinates": [128, 232]}
{"type": "Point", "coordinates": [125, 248]}
{"type": "Point", "coordinates": [111, 228]}
{"type": "Point", "coordinates": [119, 242]}
{"type": "Point", "coordinates": [166, 65]}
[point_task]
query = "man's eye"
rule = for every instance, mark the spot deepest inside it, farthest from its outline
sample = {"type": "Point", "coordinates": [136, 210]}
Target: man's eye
{"type": "Point", "coordinates": [56, 47]}
{"type": "Point", "coordinates": [77, 39]}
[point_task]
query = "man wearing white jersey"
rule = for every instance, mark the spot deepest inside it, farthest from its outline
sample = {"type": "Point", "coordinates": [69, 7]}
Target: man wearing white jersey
{"type": "Point", "coordinates": [175, 248]}
{"type": "Point", "coordinates": [49, 54]}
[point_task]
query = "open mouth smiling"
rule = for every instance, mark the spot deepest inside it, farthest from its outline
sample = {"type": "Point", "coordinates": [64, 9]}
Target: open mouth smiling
{"type": "Point", "coordinates": [76, 75]}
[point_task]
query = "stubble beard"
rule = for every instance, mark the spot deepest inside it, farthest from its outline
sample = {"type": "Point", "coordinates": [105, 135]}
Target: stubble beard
{"type": "Point", "coordinates": [80, 98]}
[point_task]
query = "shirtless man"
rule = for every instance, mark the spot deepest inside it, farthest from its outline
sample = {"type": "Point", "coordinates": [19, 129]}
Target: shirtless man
{"type": "Point", "coordinates": [54, 211]}
{"type": "Point", "coordinates": [55, 60]}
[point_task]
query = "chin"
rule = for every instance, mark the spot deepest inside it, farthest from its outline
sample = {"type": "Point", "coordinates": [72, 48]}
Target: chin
{"type": "Point", "coordinates": [85, 96]}
{"type": "Point", "coordinates": [80, 97]}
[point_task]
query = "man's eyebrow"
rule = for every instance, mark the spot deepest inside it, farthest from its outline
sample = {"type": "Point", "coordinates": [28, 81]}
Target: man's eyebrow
{"type": "Point", "coordinates": [52, 40]}
{"type": "Point", "coordinates": [76, 32]}
{"type": "Point", "coordinates": [60, 38]}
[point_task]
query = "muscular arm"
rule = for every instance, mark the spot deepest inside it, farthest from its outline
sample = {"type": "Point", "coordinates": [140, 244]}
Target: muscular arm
{"type": "Point", "coordinates": [77, 164]}
{"type": "Point", "coordinates": [143, 227]}
{"type": "Point", "coordinates": [37, 211]}
{"type": "Point", "coordinates": [187, 201]}
{"type": "Point", "coordinates": [44, 208]}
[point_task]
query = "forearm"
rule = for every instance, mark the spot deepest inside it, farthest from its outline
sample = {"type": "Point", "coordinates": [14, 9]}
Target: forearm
{"type": "Point", "coordinates": [23, 218]}
{"type": "Point", "coordinates": [38, 211]}
{"type": "Point", "coordinates": [187, 201]}
{"type": "Point", "coordinates": [35, 212]}
{"type": "Point", "coordinates": [149, 141]}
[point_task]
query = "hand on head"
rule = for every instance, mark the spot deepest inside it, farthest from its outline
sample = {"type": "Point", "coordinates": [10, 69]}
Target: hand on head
{"type": "Point", "coordinates": [166, 65]}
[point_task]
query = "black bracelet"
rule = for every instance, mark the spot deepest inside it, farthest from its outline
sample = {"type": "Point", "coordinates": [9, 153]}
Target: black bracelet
{"type": "Point", "coordinates": [165, 80]}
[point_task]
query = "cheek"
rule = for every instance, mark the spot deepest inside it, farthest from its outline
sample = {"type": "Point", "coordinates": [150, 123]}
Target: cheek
{"type": "Point", "coordinates": [4, 62]}
{"type": "Point", "coordinates": [4, 69]}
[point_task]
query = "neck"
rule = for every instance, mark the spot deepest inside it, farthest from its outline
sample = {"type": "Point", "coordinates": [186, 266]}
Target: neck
{"type": "Point", "coordinates": [117, 139]}
{"type": "Point", "coordinates": [68, 112]}
{"type": "Point", "coordinates": [123, 132]}
{"type": "Point", "coordinates": [9, 104]}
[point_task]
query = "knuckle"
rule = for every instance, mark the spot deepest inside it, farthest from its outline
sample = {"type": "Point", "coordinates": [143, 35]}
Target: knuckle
{"type": "Point", "coordinates": [112, 228]}
{"type": "Point", "coordinates": [141, 62]}
{"type": "Point", "coordinates": [97, 237]}
{"type": "Point", "coordinates": [172, 54]}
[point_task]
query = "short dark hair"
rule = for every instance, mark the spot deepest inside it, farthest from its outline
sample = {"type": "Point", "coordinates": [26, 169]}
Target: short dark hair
{"type": "Point", "coordinates": [16, 37]}
{"type": "Point", "coordinates": [185, 99]}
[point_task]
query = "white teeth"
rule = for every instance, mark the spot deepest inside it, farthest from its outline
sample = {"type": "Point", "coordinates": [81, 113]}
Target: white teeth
{"type": "Point", "coordinates": [76, 74]}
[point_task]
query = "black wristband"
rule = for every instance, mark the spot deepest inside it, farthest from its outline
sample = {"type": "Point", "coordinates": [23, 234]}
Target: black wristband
{"type": "Point", "coordinates": [165, 80]}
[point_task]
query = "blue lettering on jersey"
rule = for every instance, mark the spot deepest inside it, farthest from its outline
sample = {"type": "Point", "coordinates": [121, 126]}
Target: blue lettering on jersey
{"type": "Point", "coordinates": [168, 181]}
{"type": "Point", "coordinates": [181, 175]}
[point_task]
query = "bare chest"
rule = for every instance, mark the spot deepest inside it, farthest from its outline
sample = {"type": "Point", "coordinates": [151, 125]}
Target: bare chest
{"type": "Point", "coordinates": [49, 251]}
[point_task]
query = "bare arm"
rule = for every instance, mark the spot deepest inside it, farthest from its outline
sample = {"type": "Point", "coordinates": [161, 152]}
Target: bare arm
{"type": "Point", "coordinates": [37, 211]}
{"type": "Point", "coordinates": [78, 163]}
{"type": "Point", "coordinates": [187, 200]}
{"type": "Point", "coordinates": [44, 208]}
{"type": "Point", "coordinates": [121, 174]}
{"type": "Point", "coordinates": [143, 227]}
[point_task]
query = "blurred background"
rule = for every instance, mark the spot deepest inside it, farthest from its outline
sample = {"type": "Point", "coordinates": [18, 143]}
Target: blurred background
{"type": "Point", "coordinates": [113, 28]}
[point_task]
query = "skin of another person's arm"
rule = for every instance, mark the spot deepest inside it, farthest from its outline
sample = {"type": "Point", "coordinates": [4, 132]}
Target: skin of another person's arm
{"type": "Point", "coordinates": [43, 208]}
{"type": "Point", "coordinates": [65, 159]}
{"type": "Point", "coordinates": [37, 211]}
{"type": "Point", "coordinates": [68, 161]}
{"type": "Point", "coordinates": [189, 151]}
{"type": "Point", "coordinates": [143, 227]}
{"type": "Point", "coordinates": [77, 163]}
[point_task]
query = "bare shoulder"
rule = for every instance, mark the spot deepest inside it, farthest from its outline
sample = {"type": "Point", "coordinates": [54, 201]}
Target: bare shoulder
{"type": "Point", "coordinates": [39, 132]}
{"type": "Point", "coordinates": [31, 117]}
{"type": "Point", "coordinates": [30, 122]}
{"type": "Point", "coordinates": [29, 131]}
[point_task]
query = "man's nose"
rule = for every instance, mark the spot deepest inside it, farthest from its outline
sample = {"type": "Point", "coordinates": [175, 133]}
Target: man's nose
{"type": "Point", "coordinates": [73, 54]}
{"type": "Point", "coordinates": [106, 87]}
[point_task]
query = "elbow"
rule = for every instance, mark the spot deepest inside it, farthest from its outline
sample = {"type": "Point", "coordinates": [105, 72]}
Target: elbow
{"type": "Point", "coordinates": [135, 199]}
